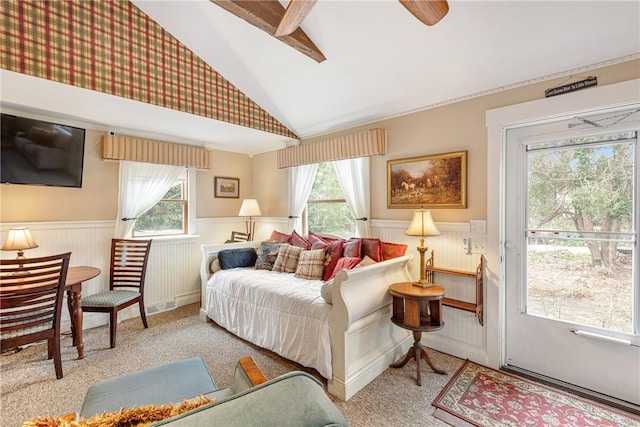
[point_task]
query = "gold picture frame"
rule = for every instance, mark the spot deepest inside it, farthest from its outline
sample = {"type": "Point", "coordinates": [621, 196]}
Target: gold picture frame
{"type": "Point", "coordinates": [228, 188]}
{"type": "Point", "coordinates": [436, 181]}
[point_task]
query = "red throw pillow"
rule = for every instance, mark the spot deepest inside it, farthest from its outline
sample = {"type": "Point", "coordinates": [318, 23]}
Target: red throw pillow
{"type": "Point", "coordinates": [331, 257]}
{"type": "Point", "coordinates": [392, 250]}
{"type": "Point", "coordinates": [352, 248]}
{"type": "Point", "coordinates": [277, 236]}
{"type": "Point", "coordinates": [329, 238]}
{"type": "Point", "coordinates": [344, 264]}
{"type": "Point", "coordinates": [299, 241]}
{"type": "Point", "coordinates": [372, 249]}
{"type": "Point", "coordinates": [319, 245]}
{"type": "Point", "coordinates": [317, 242]}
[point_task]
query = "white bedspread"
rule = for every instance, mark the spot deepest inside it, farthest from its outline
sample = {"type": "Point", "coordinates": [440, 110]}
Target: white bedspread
{"type": "Point", "coordinates": [273, 310]}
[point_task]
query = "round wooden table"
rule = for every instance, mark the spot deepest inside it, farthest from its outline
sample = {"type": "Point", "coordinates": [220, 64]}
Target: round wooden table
{"type": "Point", "coordinates": [419, 310]}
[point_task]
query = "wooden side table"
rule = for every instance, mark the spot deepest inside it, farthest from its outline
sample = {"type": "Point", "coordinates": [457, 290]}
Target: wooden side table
{"type": "Point", "coordinates": [419, 310]}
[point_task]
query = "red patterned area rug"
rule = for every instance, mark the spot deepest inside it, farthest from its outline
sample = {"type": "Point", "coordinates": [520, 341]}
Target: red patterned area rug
{"type": "Point", "coordinates": [481, 396]}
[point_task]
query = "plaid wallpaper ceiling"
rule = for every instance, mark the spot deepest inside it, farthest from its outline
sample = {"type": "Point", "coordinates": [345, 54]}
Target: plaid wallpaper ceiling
{"type": "Point", "coordinates": [113, 47]}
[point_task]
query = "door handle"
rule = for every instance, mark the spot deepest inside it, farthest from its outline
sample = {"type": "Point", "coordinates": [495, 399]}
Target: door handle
{"type": "Point", "coordinates": [512, 246]}
{"type": "Point", "coordinates": [600, 337]}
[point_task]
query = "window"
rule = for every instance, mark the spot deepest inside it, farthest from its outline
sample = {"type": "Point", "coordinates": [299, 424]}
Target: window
{"type": "Point", "coordinates": [169, 215]}
{"type": "Point", "coordinates": [581, 230]}
{"type": "Point", "coordinates": [327, 210]}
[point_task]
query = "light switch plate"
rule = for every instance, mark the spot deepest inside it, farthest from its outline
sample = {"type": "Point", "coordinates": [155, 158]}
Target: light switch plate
{"type": "Point", "coordinates": [478, 244]}
{"type": "Point", "coordinates": [478, 226]}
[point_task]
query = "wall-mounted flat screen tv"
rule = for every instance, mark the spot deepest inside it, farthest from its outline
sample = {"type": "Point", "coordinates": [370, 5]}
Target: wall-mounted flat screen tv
{"type": "Point", "coordinates": [36, 152]}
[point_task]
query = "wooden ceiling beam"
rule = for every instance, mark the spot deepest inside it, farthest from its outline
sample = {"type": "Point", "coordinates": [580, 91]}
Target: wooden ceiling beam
{"type": "Point", "coordinates": [296, 11]}
{"type": "Point", "coordinates": [267, 15]}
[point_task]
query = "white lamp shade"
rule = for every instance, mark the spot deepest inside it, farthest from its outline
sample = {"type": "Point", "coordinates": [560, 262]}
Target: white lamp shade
{"type": "Point", "coordinates": [422, 225]}
{"type": "Point", "coordinates": [250, 208]}
{"type": "Point", "coordinates": [19, 239]}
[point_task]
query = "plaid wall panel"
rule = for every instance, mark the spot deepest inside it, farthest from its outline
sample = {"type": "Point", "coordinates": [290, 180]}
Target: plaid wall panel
{"type": "Point", "coordinates": [113, 47]}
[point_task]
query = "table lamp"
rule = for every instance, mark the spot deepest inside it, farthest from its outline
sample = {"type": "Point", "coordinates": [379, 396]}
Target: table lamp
{"type": "Point", "coordinates": [422, 225]}
{"type": "Point", "coordinates": [250, 208]}
{"type": "Point", "coordinates": [19, 239]}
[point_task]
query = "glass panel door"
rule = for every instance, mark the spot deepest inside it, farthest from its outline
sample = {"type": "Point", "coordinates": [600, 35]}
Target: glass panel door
{"type": "Point", "coordinates": [571, 251]}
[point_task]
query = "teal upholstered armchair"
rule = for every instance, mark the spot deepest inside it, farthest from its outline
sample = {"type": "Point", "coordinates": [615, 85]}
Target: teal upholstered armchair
{"type": "Point", "coordinates": [293, 399]}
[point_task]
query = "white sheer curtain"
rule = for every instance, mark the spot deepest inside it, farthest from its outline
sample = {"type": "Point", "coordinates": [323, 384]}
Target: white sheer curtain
{"type": "Point", "coordinates": [300, 183]}
{"type": "Point", "coordinates": [353, 176]}
{"type": "Point", "coordinates": [142, 185]}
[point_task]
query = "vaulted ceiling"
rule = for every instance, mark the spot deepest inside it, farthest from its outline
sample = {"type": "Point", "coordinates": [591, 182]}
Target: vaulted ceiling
{"type": "Point", "coordinates": [380, 62]}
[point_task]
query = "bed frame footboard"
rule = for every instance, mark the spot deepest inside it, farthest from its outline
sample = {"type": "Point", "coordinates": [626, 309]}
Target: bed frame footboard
{"type": "Point", "coordinates": [364, 342]}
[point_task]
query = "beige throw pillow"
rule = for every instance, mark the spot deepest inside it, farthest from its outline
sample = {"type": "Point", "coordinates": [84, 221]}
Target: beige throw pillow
{"type": "Point", "coordinates": [311, 264]}
{"type": "Point", "coordinates": [287, 260]}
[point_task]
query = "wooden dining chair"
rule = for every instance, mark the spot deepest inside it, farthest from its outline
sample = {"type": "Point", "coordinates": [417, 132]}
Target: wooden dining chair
{"type": "Point", "coordinates": [126, 283]}
{"type": "Point", "coordinates": [31, 292]}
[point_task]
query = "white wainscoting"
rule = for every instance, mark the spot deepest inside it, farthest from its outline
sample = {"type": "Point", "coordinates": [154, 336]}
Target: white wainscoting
{"type": "Point", "coordinates": [173, 273]}
{"type": "Point", "coordinates": [462, 335]}
{"type": "Point", "coordinates": [89, 244]}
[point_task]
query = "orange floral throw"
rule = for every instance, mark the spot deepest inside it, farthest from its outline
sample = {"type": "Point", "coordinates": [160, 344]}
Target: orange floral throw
{"type": "Point", "coordinates": [126, 417]}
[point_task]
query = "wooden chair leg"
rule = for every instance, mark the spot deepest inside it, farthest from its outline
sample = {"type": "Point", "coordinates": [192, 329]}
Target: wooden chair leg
{"type": "Point", "coordinates": [57, 358]}
{"type": "Point", "coordinates": [143, 316]}
{"type": "Point", "coordinates": [49, 348]}
{"type": "Point", "coordinates": [113, 326]}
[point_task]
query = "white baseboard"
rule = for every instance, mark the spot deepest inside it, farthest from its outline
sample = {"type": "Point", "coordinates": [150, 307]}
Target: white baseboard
{"type": "Point", "coordinates": [188, 298]}
{"type": "Point", "coordinates": [158, 308]}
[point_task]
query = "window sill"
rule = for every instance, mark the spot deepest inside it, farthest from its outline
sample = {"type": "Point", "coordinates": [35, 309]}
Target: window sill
{"type": "Point", "coordinates": [169, 240]}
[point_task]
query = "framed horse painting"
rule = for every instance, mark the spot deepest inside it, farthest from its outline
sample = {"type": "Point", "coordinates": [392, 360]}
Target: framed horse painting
{"type": "Point", "coordinates": [433, 182]}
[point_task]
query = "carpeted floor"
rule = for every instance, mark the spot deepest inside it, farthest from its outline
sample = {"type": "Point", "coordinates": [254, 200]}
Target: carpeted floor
{"type": "Point", "coordinates": [29, 387]}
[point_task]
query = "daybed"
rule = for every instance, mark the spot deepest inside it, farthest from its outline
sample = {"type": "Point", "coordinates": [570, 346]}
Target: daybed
{"type": "Point", "coordinates": [350, 341]}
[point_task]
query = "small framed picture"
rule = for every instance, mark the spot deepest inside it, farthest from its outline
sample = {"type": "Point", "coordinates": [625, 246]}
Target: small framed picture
{"type": "Point", "coordinates": [226, 187]}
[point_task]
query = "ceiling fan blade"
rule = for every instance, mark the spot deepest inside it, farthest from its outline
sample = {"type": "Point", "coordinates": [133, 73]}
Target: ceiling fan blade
{"type": "Point", "coordinates": [429, 12]}
{"type": "Point", "coordinates": [296, 11]}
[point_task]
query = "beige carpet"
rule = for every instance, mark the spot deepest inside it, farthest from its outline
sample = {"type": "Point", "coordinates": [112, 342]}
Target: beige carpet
{"type": "Point", "coordinates": [29, 387]}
